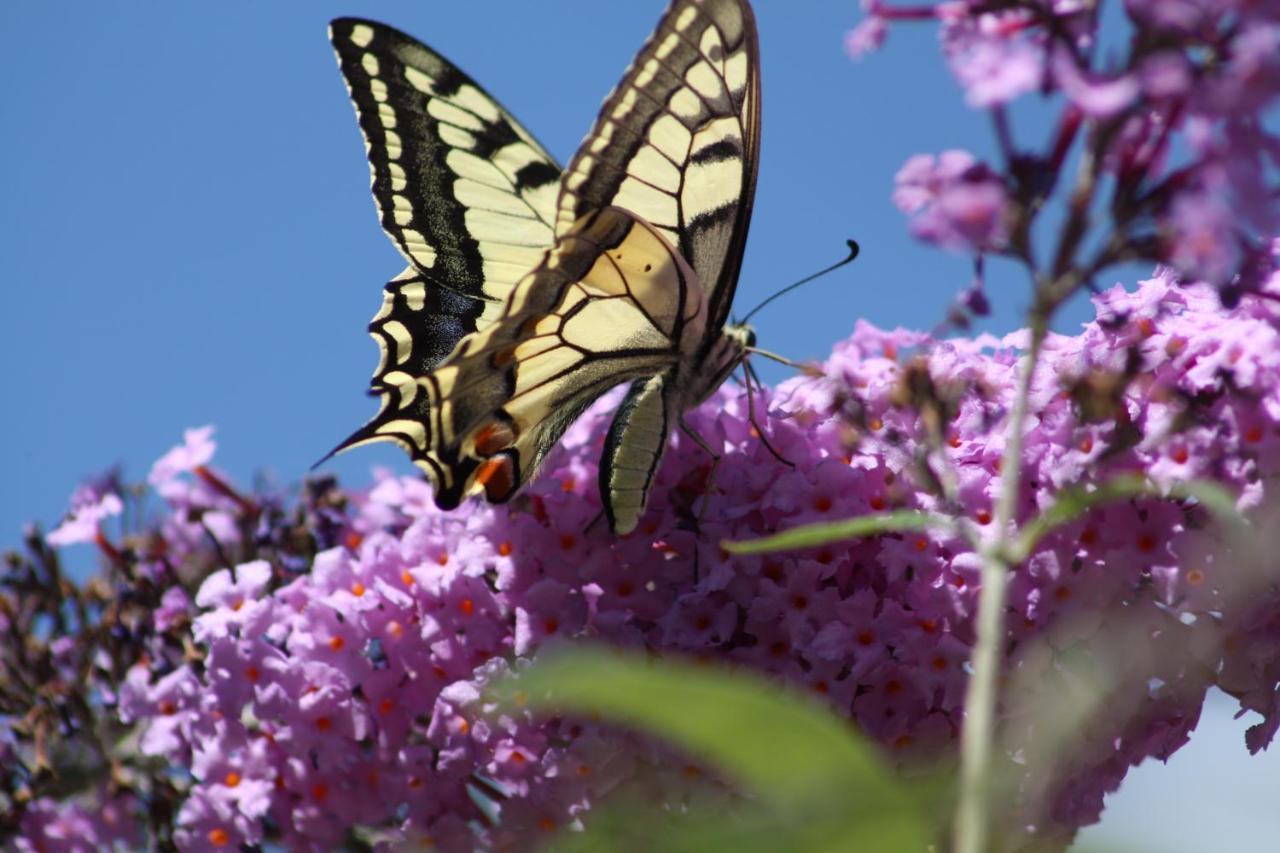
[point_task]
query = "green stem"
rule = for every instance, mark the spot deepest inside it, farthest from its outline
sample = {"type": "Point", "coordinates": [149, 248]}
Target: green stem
{"type": "Point", "coordinates": [977, 740]}
{"type": "Point", "coordinates": [826, 532]}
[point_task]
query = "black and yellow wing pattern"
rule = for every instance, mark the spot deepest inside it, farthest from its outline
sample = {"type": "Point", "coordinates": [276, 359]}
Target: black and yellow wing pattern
{"type": "Point", "coordinates": [463, 191]}
{"type": "Point", "coordinates": [530, 293]}
{"type": "Point", "coordinates": [678, 142]}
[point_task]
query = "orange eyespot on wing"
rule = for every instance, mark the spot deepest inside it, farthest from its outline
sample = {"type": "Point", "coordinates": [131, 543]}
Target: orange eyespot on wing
{"type": "Point", "coordinates": [493, 438]}
{"type": "Point", "coordinates": [497, 477]}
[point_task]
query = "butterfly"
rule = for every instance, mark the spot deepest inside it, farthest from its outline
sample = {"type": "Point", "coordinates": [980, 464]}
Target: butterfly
{"type": "Point", "coordinates": [530, 291]}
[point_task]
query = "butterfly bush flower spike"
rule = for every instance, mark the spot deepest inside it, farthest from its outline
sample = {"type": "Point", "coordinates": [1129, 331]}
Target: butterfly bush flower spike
{"type": "Point", "coordinates": [196, 450]}
{"type": "Point", "coordinates": [1179, 117]}
{"type": "Point", "coordinates": [85, 521]}
{"type": "Point", "coordinates": [353, 693]}
{"type": "Point", "coordinates": [314, 671]}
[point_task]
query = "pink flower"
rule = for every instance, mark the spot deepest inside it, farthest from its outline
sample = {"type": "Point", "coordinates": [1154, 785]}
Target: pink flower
{"type": "Point", "coordinates": [992, 59]}
{"type": "Point", "coordinates": [1165, 74]}
{"type": "Point", "coordinates": [866, 37]}
{"type": "Point", "coordinates": [85, 523]}
{"type": "Point", "coordinates": [48, 825]}
{"type": "Point", "coordinates": [234, 601]}
{"type": "Point", "coordinates": [1186, 16]}
{"type": "Point", "coordinates": [1100, 97]}
{"type": "Point", "coordinates": [1200, 232]}
{"type": "Point", "coordinates": [955, 201]}
{"type": "Point", "coordinates": [197, 449]}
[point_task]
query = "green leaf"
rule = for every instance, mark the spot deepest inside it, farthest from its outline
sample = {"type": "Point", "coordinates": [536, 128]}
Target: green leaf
{"type": "Point", "coordinates": [826, 532]}
{"type": "Point", "coordinates": [811, 775]}
{"type": "Point", "coordinates": [630, 826]}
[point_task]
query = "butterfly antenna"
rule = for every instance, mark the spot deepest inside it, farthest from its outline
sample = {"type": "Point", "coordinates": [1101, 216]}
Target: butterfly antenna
{"type": "Point", "coordinates": [781, 359]}
{"type": "Point", "coordinates": [853, 253]}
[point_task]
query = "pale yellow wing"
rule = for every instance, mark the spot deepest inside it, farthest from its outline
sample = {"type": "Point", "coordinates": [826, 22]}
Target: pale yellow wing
{"type": "Point", "coordinates": [612, 301]}
{"type": "Point", "coordinates": [677, 142]}
{"type": "Point", "coordinates": [462, 189]}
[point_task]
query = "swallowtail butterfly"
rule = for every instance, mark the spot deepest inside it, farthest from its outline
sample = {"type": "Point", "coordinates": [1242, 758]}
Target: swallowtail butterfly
{"type": "Point", "coordinates": [530, 291]}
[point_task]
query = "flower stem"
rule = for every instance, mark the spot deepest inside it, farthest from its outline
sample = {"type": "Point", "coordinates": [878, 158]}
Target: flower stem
{"type": "Point", "coordinates": [222, 487]}
{"type": "Point", "coordinates": [977, 740]}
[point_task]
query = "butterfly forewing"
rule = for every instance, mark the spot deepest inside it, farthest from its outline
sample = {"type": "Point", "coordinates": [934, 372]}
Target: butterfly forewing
{"type": "Point", "coordinates": [465, 193]}
{"type": "Point", "coordinates": [677, 142]}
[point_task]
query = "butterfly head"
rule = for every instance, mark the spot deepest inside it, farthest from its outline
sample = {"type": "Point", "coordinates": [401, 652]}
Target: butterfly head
{"type": "Point", "coordinates": [741, 334]}
{"type": "Point", "coordinates": [726, 353]}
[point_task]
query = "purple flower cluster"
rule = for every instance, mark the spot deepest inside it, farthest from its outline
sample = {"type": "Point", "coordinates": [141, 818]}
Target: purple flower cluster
{"type": "Point", "coordinates": [352, 694]}
{"type": "Point", "coordinates": [110, 822]}
{"type": "Point", "coordinates": [1175, 124]}
{"type": "Point", "coordinates": [956, 202]}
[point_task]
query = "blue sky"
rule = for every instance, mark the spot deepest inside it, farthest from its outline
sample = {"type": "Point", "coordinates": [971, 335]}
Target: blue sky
{"type": "Point", "coordinates": [188, 237]}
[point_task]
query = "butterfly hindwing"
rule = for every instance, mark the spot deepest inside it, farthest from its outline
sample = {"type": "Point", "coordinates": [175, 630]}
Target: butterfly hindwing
{"type": "Point", "coordinates": [611, 302]}
{"type": "Point", "coordinates": [633, 450]}
{"type": "Point", "coordinates": [677, 142]}
{"type": "Point", "coordinates": [418, 325]}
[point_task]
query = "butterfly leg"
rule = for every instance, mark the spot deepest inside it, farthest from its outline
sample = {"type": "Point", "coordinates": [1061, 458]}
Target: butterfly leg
{"type": "Point", "coordinates": [750, 378]}
{"type": "Point", "coordinates": [715, 465]}
{"type": "Point", "coordinates": [593, 522]}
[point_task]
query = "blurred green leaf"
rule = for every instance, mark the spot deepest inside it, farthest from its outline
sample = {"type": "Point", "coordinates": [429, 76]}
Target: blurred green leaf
{"type": "Point", "coordinates": [826, 532]}
{"type": "Point", "coordinates": [628, 826]}
{"type": "Point", "coordinates": [817, 785]}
